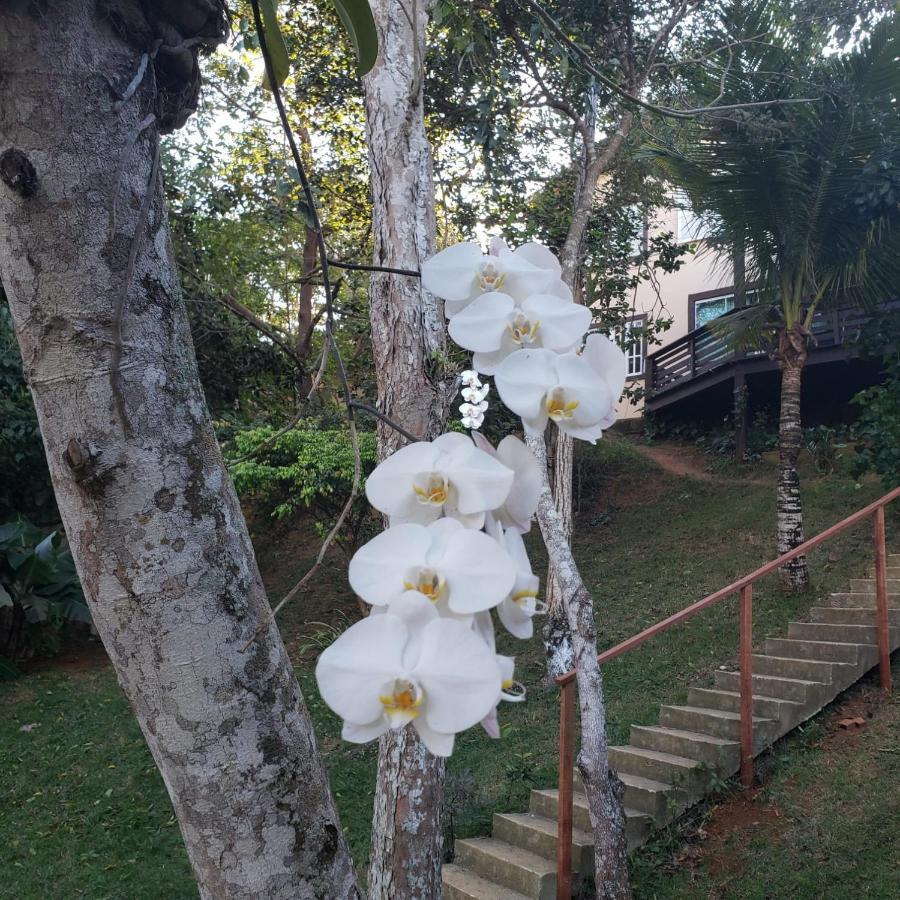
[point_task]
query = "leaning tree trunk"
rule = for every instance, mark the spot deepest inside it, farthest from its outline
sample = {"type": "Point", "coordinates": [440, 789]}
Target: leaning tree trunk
{"type": "Point", "coordinates": [408, 342]}
{"type": "Point", "coordinates": [154, 524]}
{"type": "Point", "coordinates": [605, 792]}
{"type": "Point", "coordinates": [791, 358]}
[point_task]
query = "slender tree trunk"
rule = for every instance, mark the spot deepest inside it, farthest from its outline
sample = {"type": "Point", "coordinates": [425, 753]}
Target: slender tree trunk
{"type": "Point", "coordinates": [604, 790]}
{"type": "Point", "coordinates": [789, 508]}
{"type": "Point", "coordinates": [154, 524]}
{"type": "Point", "coordinates": [408, 342]}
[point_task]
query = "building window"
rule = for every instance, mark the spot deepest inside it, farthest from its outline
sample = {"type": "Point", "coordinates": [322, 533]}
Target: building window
{"type": "Point", "coordinates": [711, 308]}
{"type": "Point", "coordinates": [632, 341]}
{"type": "Point", "coordinates": [706, 307]}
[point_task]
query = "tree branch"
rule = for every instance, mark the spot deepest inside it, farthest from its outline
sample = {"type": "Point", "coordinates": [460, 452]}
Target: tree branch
{"type": "Point", "coordinates": [553, 101]}
{"type": "Point", "coordinates": [584, 60]}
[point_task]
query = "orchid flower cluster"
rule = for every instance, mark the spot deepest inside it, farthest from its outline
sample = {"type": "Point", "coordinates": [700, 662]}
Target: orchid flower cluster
{"type": "Point", "coordinates": [457, 507]}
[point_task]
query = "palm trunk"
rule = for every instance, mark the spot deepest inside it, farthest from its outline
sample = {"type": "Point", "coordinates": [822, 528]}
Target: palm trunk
{"type": "Point", "coordinates": [154, 524]}
{"type": "Point", "coordinates": [792, 358]}
{"type": "Point", "coordinates": [408, 337]}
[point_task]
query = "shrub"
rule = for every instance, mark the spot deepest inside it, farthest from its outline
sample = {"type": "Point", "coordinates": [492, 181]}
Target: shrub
{"type": "Point", "coordinates": [40, 594]}
{"type": "Point", "coordinates": [307, 468]}
{"type": "Point", "coordinates": [877, 430]}
{"type": "Point", "coordinates": [824, 445]}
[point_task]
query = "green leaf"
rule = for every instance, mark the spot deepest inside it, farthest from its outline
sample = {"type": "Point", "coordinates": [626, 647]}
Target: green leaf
{"type": "Point", "coordinates": [360, 25]}
{"type": "Point", "coordinates": [5, 599]}
{"type": "Point", "coordinates": [274, 43]}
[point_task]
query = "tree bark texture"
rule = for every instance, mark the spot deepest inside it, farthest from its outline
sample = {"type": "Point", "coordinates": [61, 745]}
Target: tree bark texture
{"type": "Point", "coordinates": [594, 162]}
{"type": "Point", "coordinates": [604, 790]}
{"type": "Point", "coordinates": [156, 531]}
{"type": "Point", "coordinates": [408, 343]}
{"type": "Point", "coordinates": [789, 508]}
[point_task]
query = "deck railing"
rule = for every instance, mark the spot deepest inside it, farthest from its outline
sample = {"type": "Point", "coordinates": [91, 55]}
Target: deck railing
{"type": "Point", "coordinates": [743, 587]}
{"type": "Point", "coordinates": [708, 348]}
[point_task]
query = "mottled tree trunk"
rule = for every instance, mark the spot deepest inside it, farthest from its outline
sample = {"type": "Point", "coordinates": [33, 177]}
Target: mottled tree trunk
{"type": "Point", "coordinates": [155, 527]}
{"type": "Point", "coordinates": [408, 342]}
{"type": "Point", "coordinates": [789, 508]}
{"type": "Point", "coordinates": [603, 788]}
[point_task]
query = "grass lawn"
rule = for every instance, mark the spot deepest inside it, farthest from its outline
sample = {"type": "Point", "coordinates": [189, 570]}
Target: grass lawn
{"type": "Point", "coordinates": [83, 812]}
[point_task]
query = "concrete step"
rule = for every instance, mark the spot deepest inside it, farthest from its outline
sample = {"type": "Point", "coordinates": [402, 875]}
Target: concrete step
{"type": "Point", "coordinates": [810, 669]}
{"type": "Point", "coordinates": [786, 712]}
{"type": "Point", "coordinates": [512, 867]}
{"type": "Point", "coordinates": [718, 722]}
{"type": "Point", "coordinates": [827, 651]}
{"type": "Point", "coordinates": [848, 615]}
{"type": "Point", "coordinates": [718, 753]}
{"type": "Point", "coordinates": [546, 803]}
{"type": "Point", "coordinates": [649, 795]}
{"type": "Point", "coordinates": [538, 835]}
{"type": "Point", "coordinates": [464, 884]}
{"type": "Point", "coordinates": [824, 631]}
{"type": "Point", "coordinates": [800, 690]}
{"type": "Point", "coordinates": [680, 771]}
{"type": "Point", "coordinates": [862, 601]}
{"type": "Point", "coordinates": [867, 586]}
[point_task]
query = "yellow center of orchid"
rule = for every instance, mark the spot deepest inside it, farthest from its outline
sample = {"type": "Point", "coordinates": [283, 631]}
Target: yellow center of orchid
{"type": "Point", "coordinates": [522, 330]}
{"type": "Point", "coordinates": [402, 705]}
{"type": "Point", "coordinates": [433, 491]}
{"type": "Point", "coordinates": [557, 406]}
{"type": "Point", "coordinates": [490, 278]}
{"type": "Point", "coordinates": [429, 583]}
{"type": "Point", "coordinates": [506, 684]}
{"type": "Point", "coordinates": [520, 596]}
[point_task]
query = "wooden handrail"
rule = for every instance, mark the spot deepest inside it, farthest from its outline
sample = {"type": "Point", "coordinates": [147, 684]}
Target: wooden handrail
{"type": "Point", "coordinates": [743, 586]}
{"type": "Point", "coordinates": [736, 586]}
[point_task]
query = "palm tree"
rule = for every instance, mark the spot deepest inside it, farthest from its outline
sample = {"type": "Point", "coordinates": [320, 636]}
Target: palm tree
{"type": "Point", "coordinates": [806, 193]}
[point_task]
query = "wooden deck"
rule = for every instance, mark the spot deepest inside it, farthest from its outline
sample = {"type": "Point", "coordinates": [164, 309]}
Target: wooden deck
{"type": "Point", "coordinates": [705, 357]}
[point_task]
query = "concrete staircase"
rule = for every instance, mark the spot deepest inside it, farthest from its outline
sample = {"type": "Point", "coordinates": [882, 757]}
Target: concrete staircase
{"type": "Point", "coordinates": [669, 767]}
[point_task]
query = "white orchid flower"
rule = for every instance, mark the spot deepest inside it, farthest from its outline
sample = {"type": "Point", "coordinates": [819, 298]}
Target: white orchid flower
{"type": "Point", "coordinates": [459, 570]}
{"type": "Point", "coordinates": [518, 609]}
{"type": "Point", "coordinates": [462, 272]}
{"type": "Point", "coordinates": [578, 391]}
{"type": "Point", "coordinates": [449, 476]}
{"type": "Point", "coordinates": [472, 415]}
{"type": "Point", "coordinates": [476, 395]}
{"type": "Point", "coordinates": [409, 665]}
{"type": "Point", "coordinates": [470, 378]}
{"type": "Point", "coordinates": [511, 691]}
{"type": "Point", "coordinates": [495, 325]}
{"type": "Point", "coordinates": [521, 504]}
{"type": "Point", "coordinates": [541, 257]}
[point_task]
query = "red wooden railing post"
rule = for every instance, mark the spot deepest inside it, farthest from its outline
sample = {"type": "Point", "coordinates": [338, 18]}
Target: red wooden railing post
{"type": "Point", "coordinates": [746, 660]}
{"type": "Point", "coordinates": [566, 790]}
{"type": "Point", "coordinates": [881, 602]}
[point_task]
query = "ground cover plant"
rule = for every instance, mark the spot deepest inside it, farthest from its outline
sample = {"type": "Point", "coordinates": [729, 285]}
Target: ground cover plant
{"type": "Point", "coordinates": [86, 814]}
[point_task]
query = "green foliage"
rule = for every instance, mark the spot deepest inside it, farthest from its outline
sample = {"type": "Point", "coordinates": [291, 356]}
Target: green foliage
{"type": "Point", "coordinates": [24, 477]}
{"type": "Point", "coordinates": [278, 55]}
{"type": "Point", "coordinates": [824, 445]}
{"type": "Point", "coordinates": [357, 19]}
{"type": "Point", "coordinates": [308, 467]}
{"type": "Point", "coordinates": [877, 431]}
{"type": "Point", "coordinates": [39, 590]}
{"type": "Point", "coordinates": [797, 189]}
